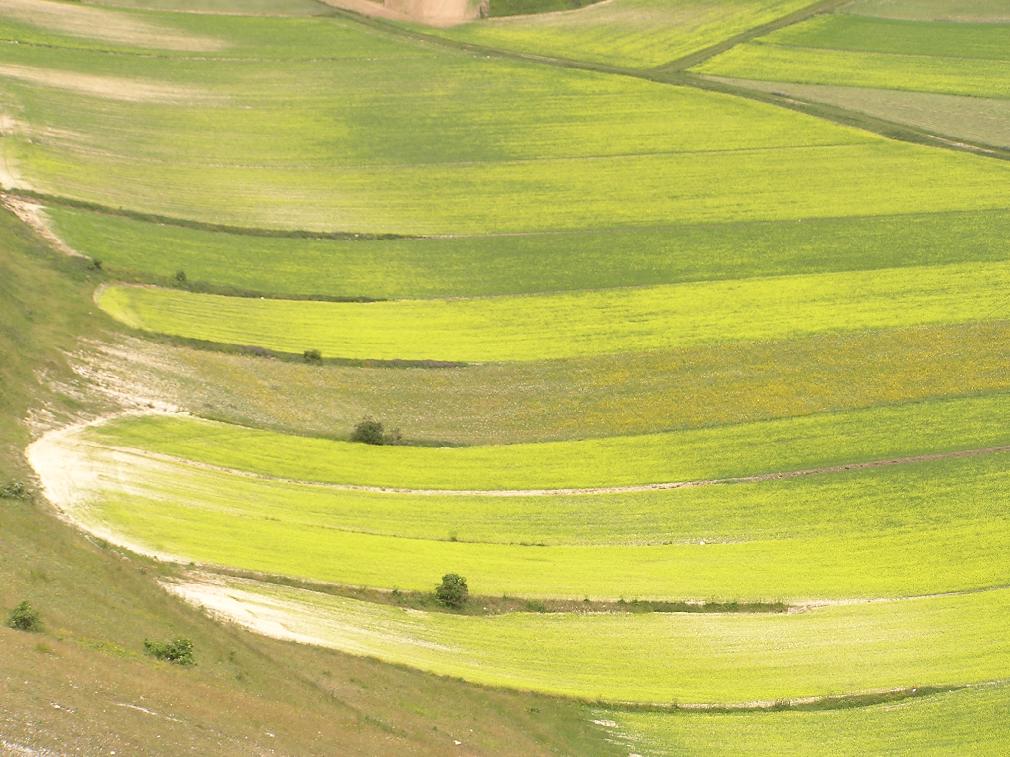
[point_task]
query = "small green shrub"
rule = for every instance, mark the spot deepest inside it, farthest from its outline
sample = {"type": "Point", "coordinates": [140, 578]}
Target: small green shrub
{"type": "Point", "coordinates": [177, 651]}
{"type": "Point", "coordinates": [369, 431]}
{"type": "Point", "coordinates": [24, 617]}
{"type": "Point", "coordinates": [453, 591]}
{"type": "Point", "coordinates": [14, 490]}
{"type": "Point", "coordinates": [95, 264]}
{"type": "Point", "coordinates": [181, 278]}
{"type": "Point", "coordinates": [312, 356]}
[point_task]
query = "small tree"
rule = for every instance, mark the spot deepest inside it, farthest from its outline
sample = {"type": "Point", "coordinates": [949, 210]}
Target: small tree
{"type": "Point", "coordinates": [180, 278]}
{"type": "Point", "coordinates": [453, 591]}
{"type": "Point", "coordinates": [177, 651]}
{"type": "Point", "coordinates": [369, 431]}
{"type": "Point", "coordinates": [24, 617]}
{"type": "Point", "coordinates": [312, 356]}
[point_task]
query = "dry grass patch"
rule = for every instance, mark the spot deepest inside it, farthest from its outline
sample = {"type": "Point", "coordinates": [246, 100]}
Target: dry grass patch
{"type": "Point", "coordinates": [109, 26]}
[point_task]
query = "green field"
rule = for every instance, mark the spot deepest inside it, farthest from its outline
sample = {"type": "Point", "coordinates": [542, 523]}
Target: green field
{"type": "Point", "coordinates": [658, 657]}
{"type": "Point", "coordinates": [891, 532]}
{"type": "Point", "coordinates": [937, 67]}
{"type": "Point", "coordinates": [583, 323]}
{"type": "Point", "coordinates": [978, 11]}
{"type": "Point", "coordinates": [721, 452]}
{"type": "Point", "coordinates": [491, 265]}
{"type": "Point", "coordinates": [968, 720]}
{"type": "Point", "coordinates": [981, 120]}
{"type": "Point", "coordinates": [628, 33]}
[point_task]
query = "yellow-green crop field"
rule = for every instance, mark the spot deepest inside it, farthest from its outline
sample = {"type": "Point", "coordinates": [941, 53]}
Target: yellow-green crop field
{"type": "Point", "coordinates": [686, 543]}
{"type": "Point", "coordinates": [585, 323]}
{"type": "Point", "coordinates": [684, 658]}
{"type": "Point", "coordinates": [686, 322]}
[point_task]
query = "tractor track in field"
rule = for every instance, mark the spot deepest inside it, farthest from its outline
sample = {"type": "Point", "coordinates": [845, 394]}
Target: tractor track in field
{"type": "Point", "coordinates": [51, 441]}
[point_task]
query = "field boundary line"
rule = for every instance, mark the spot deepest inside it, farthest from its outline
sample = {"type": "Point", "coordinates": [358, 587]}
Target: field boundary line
{"type": "Point", "coordinates": [791, 19]}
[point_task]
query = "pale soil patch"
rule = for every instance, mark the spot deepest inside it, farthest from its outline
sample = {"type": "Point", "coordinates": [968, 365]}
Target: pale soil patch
{"type": "Point", "coordinates": [110, 87]}
{"type": "Point", "coordinates": [70, 480]}
{"type": "Point", "coordinates": [108, 26]}
{"type": "Point", "coordinates": [34, 216]}
{"type": "Point", "coordinates": [441, 13]}
{"type": "Point", "coordinates": [549, 14]}
{"type": "Point", "coordinates": [146, 711]}
{"type": "Point", "coordinates": [289, 620]}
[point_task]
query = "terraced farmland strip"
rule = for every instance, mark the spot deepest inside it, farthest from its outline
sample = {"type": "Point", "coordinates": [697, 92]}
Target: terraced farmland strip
{"type": "Point", "coordinates": [683, 658]}
{"type": "Point", "coordinates": [969, 720]}
{"type": "Point", "coordinates": [629, 393]}
{"type": "Point", "coordinates": [490, 265]}
{"type": "Point", "coordinates": [633, 33]}
{"type": "Point", "coordinates": [979, 120]}
{"type": "Point", "coordinates": [953, 59]}
{"type": "Point", "coordinates": [934, 39]}
{"type": "Point", "coordinates": [741, 450]}
{"type": "Point", "coordinates": [971, 11]}
{"type": "Point", "coordinates": [914, 530]}
{"type": "Point", "coordinates": [584, 323]}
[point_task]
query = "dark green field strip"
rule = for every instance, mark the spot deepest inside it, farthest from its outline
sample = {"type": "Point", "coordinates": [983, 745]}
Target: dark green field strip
{"type": "Point", "coordinates": [288, 265]}
{"type": "Point", "coordinates": [968, 11]}
{"type": "Point", "coordinates": [916, 38]}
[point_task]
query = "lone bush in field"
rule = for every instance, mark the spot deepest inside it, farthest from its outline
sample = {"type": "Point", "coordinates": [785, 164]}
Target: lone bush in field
{"type": "Point", "coordinates": [181, 278]}
{"type": "Point", "coordinates": [312, 356]}
{"type": "Point", "coordinates": [369, 431]}
{"type": "Point", "coordinates": [24, 617]}
{"type": "Point", "coordinates": [177, 651]}
{"type": "Point", "coordinates": [453, 591]}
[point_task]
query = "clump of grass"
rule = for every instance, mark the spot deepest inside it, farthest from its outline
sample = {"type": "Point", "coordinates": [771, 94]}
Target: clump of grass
{"type": "Point", "coordinates": [312, 356]}
{"type": "Point", "coordinates": [177, 651]}
{"type": "Point", "coordinates": [15, 490]}
{"type": "Point", "coordinates": [24, 617]}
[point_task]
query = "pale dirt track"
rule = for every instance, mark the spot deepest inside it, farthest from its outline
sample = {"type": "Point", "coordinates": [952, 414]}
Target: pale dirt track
{"type": "Point", "coordinates": [109, 87]}
{"type": "Point", "coordinates": [437, 13]}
